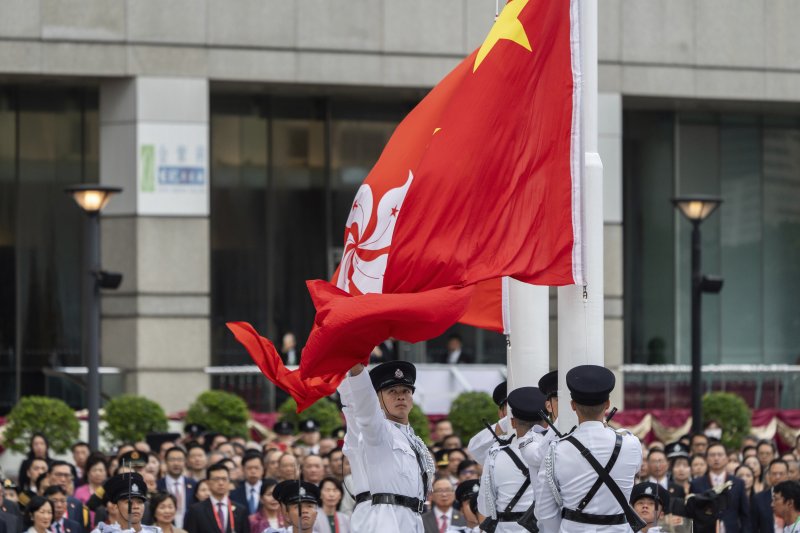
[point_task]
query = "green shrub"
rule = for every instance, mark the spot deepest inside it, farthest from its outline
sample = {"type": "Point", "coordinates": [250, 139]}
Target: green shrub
{"type": "Point", "coordinates": [324, 411]}
{"type": "Point", "coordinates": [468, 411]}
{"type": "Point", "coordinates": [419, 421]}
{"type": "Point", "coordinates": [220, 412]}
{"type": "Point", "coordinates": [39, 414]}
{"type": "Point", "coordinates": [731, 413]}
{"type": "Point", "coordinates": [130, 418]}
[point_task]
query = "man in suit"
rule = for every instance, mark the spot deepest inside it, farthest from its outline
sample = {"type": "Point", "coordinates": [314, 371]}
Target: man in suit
{"type": "Point", "coordinates": [764, 517]}
{"type": "Point", "coordinates": [736, 517]}
{"type": "Point", "coordinates": [217, 514]}
{"type": "Point", "coordinates": [248, 492]}
{"type": "Point", "coordinates": [60, 473]}
{"type": "Point", "coordinates": [177, 484]}
{"type": "Point", "coordinates": [455, 354]}
{"type": "Point", "coordinates": [657, 465]}
{"type": "Point", "coordinates": [61, 524]}
{"type": "Point", "coordinates": [442, 516]}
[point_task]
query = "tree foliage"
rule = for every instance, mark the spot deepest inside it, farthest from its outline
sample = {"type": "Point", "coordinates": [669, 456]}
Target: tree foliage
{"type": "Point", "coordinates": [324, 411]}
{"type": "Point", "coordinates": [130, 418]}
{"type": "Point", "coordinates": [731, 413]}
{"type": "Point", "coordinates": [468, 411]}
{"type": "Point", "coordinates": [221, 412]}
{"type": "Point", "coordinates": [421, 424]}
{"type": "Point", "coordinates": [39, 414]}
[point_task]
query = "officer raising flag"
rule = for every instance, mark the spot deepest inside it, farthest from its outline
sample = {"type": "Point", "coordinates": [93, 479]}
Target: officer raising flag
{"type": "Point", "coordinates": [506, 492]}
{"type": "Point", "coordinates": [534, 453]}
{"type": "Point", "coordinates": [586, 478]}
{"type": "Point", "coordinates": [400, 470]}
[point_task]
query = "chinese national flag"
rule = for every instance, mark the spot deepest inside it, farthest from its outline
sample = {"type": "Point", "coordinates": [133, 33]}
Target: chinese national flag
{"type": "Point", "coordinates": [480, 181]}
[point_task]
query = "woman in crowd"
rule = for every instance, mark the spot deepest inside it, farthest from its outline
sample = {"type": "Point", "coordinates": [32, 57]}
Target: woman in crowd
{"type": "Point", "coordinates": [39, 448]}
{"type": "Point", "coordinates": [698, 465]}
{"type": "Point", "coordinates": [755, 467]}
{"type": "Point", "coordinates": [164, 506]}
{"type": "Point", "coordinates": [269, 509]}
{"type": "Point", "coordinates": [681, 473]}
{"type": "Point", "coordinates": [201, 492]}
{"type": "Point", "coordinates": [94, 475]}
{"type": "Point", "coordinates": [745, 473]}
{"type": "Point", "coordinates": [39, 514]}
{"type": "Point", "coordinates": [329, 519]}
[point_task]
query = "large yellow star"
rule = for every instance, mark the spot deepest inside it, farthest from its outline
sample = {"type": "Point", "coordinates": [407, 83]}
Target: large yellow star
{"type": "Point", "coordinates": [507, 26]}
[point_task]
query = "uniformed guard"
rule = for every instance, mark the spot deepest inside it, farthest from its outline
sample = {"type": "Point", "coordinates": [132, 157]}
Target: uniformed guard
{"type": "Point", "coordinates": [502, 433]}
{"type": "Point", "coordinates": [400, 467]}
{"type": "Point", "coordinates": [649, 501]}
{"type": "Point", "coordinates": [353, 450]}
{"type": "Point", "coordinates": [467, 500]}
{"type": "Point", "coordinates": [129, 493]}
{"type": "Point", "coordinates": [533, 455]}
{"type": "Point", "coordinates": [299, 501]}
{"type": "Point", "coordinates": [586, 478]}
{"type": "Point", "coordinates": [506, 492]}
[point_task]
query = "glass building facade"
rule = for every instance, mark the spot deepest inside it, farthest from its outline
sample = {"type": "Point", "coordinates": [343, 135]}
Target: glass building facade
{"type": "Point", "coordinates": [752, 161]}
{"type": "Point", "coordinates": [48, 140]}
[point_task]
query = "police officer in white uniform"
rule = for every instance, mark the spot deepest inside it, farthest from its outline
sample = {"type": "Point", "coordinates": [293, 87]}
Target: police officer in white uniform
{"type": "Point", "coordinates": [533, 448]}
{"type": "Point", "coordinates": [649, 501]}
{"type": "Point", "coordinates": [399, 467]}
{"type": "Point", "coordinates": [126, 490]}
{"type": "Point", "coordinates": [571, 496]}
{"type": "Point", "coordinates": [483, 441]}
{"type": "Point", "coordinates": [506, 492]}
{"type": "Point", "coordinates": [299, 501]}
{"type": "Point", "coordinates": [352, 449]}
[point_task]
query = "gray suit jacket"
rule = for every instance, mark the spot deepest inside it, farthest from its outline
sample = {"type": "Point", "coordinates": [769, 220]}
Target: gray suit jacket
{"type": "Point", "coordinates": [431, 526]}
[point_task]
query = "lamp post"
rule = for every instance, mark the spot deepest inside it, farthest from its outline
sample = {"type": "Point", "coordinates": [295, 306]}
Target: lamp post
{"type": "Point", "coordinates": [92, 199]}
{"type": "Point", "coordinates": [696, 209]}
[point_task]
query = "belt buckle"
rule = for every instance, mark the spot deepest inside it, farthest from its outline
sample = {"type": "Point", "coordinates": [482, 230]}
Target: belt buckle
{"type": "Point", "coordinates": [421, 506]}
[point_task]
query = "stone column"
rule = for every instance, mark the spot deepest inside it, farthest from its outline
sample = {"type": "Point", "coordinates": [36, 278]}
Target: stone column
{"type": "Point", "coordinates": [155, 327]}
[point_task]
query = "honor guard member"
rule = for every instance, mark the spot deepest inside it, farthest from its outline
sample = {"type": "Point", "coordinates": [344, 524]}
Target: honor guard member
{"type": "Point", "coordinates": [533, 455]}
{"type": "Point", "coordinates": [505, 491]}
{"type": "Point", "coordinates": [586, 478]}
{"type": "Point", "coordinates": [401, 470]}
{"type": "Point", "coordinates": [467, 501]}
{"type": "Point", "coordinates": [502, 433]}
{"type": "Point", "coordinates": [299, 501]}
{"type": "Point", "coordinates": [129, 493]}
{"type": "Point", "coordinates": [356, 485]}
{"type": "Point", "coordinates": [649, 500]}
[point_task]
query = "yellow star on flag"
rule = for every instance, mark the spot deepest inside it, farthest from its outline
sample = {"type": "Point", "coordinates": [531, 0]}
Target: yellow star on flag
{"type": "Point", "coordinates": [508, 27]}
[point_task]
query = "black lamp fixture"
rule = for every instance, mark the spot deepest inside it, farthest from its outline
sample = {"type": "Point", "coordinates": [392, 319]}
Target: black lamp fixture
{"type": "Point", "coordinates": [696, 209]}
{"type": "Point", "coordinates": [92, 198]}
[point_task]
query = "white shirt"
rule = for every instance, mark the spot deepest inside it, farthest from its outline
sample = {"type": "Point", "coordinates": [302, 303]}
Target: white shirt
{"type": "Point", "coordinates": [453, 357]}
{"type": "Point", "coordinates": [664, 481]}
{"type": "Point", "coordinates": [575, 476]}
{"type": "Point", "coordinates": [226, 513]}
{"type": "Point", "coordinates": [503, 478]}
{"type": "Point", "coordinates": [483, 441]}
{"type": "Point", "coordinates": [177, 486]}
{"type": "Point", "coordinates": [352, 449]}
{"type": "Point", "coordinates": [438, 513]}
{"type": "Point", "coordinates": [254, 490]}
{"type": "Point", "coordinates": [395, 471]}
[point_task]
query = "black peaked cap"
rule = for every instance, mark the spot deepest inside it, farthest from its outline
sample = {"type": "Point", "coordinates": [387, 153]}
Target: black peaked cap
{"type": "Point", "coordinates": [466, 489]}
{"type": "Point", "coordinates": [590, 384]}
{"type": "Point", "coordinates": [393, 373]}
{"type": "Point", "coordinates": [293, 491]}
{"type": "Point", "coordinates": [500, 394]}
{"type": "Point", "coordinates": [548, 384]}
{"type": "Point", "coordinates": [526, 402]}
{"type": "Point", "coordinates": [648, 489]}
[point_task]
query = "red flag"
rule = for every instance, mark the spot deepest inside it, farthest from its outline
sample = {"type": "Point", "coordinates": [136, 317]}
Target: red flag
{"type": "Point", "coordinates": [480, 181]}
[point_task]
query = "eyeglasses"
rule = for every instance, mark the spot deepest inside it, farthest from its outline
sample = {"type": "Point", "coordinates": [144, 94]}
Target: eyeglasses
{"type": "Point", "coordinates": [217, 479]}
{"type": "Point", "coordinates": [64, 475]}
{"type": "Point", "coordinates": [442, 491]}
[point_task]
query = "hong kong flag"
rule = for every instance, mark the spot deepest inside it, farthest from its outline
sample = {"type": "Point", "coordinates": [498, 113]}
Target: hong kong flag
{"type": "Point", "coordinates": [480, 181]}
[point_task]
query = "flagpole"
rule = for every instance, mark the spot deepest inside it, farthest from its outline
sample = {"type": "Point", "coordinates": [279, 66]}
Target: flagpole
{"type": "Point", "coordinates": [529, 334]}
{"type": "Point", "coordinates": [580, 309]}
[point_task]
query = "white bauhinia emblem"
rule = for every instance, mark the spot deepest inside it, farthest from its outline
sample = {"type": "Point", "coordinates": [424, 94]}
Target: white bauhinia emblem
{"type": "Point", "coordinates": [368, 237]}
{"type": "Point", "coordinates": [648, 490]}
{"type": "Point", "coordinates": [398, 374]}
{"type": "Point", "coordinates": [134, 488]}
{"type": "Point", "coordinates": [302, 492]}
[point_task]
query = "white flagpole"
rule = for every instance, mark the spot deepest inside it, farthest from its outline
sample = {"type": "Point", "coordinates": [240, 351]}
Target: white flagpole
{"type": "Point", "coordinates": [529, 334]}
{"type": "Point", "coordinates": [580, 313]}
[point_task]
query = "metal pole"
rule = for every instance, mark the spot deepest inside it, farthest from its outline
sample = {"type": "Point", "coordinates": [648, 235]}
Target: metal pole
{"type": "Point", "coordinates": [529, 350]}
{"type": "Point", "coordinates": [91, 324]}
{"type": "Point", "coordinates": [697, 384]}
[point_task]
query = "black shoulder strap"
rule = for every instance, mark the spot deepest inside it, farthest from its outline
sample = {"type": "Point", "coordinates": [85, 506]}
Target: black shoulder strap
{"type": "Point", "coordinates": [633, 519]}
{"type": "Point", "coordinates": [599, 483]}
{"type": "Point", "coordinates": [525, 484]}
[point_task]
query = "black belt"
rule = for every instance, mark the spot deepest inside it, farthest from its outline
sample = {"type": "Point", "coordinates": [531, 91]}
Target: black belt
{"type": "Point", "coordinates": [361, 497]}
{"type": "Point", "coordinates": [509, 517]}
{"type": "Point", "coordinates": [414, 504]}
{"type": "Point", "coordinates": [594, 519]}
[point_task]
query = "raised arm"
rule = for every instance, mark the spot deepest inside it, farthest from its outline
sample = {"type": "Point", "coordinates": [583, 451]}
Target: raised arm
{"type": "Point", "coordinates": [369, 417]}
{"type": "Point", "coordinates": [480, 444]}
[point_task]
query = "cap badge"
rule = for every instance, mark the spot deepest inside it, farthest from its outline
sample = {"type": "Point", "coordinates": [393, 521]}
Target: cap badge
{"type": "Point", "coordinates": [302, 492]}
{"type": "Point", "coordinates": [476, 488]}
{"type": "Point", "coordinates": [134, 455]}
{"type": "Point", "coordinates": [649, 490]}
{"type": "Point", "coordinates": [398, 374]}
{"type": "Point", "coordinates": [135, 488]}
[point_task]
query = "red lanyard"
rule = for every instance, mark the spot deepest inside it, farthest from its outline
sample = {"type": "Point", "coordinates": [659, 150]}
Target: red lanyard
{"type": "Point", "coordinates": [219, 520]}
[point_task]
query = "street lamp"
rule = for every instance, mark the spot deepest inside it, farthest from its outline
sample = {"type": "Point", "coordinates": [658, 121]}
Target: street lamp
{"type": "Point", "coordinates": [92, 198]}
{"type": "Point", "coordinates": [697, 208]}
